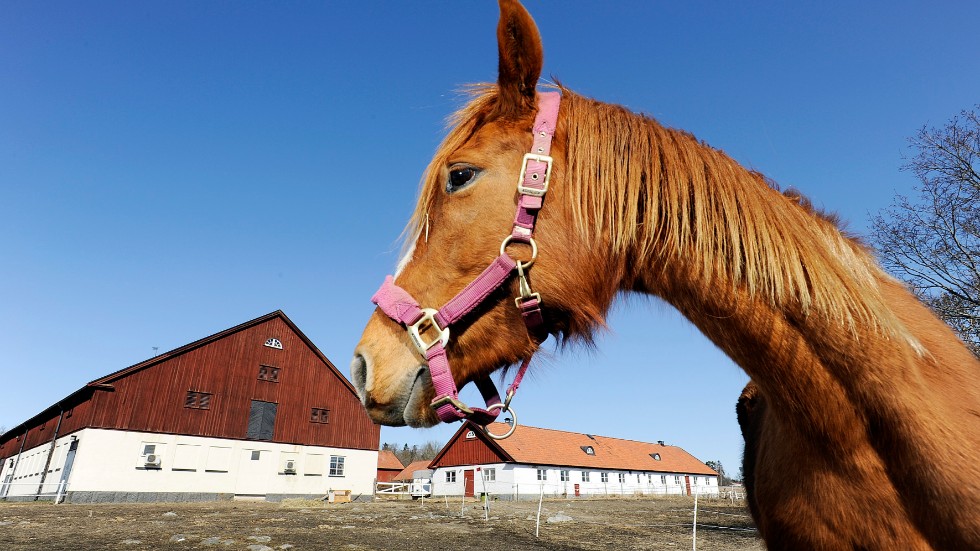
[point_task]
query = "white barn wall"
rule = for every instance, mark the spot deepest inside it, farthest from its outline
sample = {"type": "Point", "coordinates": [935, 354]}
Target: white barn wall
{"type": "Point", "coordinates": [520, 481]}
{"type": "Point", "coordinates": [111, 462]}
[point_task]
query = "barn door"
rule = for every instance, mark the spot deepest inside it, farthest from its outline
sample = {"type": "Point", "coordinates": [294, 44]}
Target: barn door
{"type": "Point", "coordinates": [687, 483]}
{"type": "Point", "coordinates": [468, 483]}
{"type": "Point", "coordinates": [261, 420]}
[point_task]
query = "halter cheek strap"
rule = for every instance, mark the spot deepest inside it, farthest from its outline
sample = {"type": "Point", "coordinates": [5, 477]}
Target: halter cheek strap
{"type": "Point", "coordinates": [400, 306]}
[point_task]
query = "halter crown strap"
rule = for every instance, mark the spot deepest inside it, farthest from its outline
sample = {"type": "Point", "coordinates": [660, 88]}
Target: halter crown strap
{"type": "Point", "coordinates": [399, 305]}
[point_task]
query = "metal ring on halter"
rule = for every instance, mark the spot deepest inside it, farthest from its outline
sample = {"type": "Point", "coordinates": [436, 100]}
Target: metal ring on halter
{"type": "Point", "coordinates": [530, 241]}
{"type": "Point", "coordinates": [513, 425]}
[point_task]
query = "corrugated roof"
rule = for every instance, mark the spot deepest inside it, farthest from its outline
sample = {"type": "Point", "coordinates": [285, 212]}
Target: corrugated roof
{"type": "Point", "coordinates": [389, 461]}
{"type": "Point", "coordinates": [537, 446]}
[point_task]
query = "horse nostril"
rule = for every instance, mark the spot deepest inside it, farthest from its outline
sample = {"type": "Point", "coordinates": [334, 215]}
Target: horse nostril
{"type": "Point", "coordinates": [358, 372]}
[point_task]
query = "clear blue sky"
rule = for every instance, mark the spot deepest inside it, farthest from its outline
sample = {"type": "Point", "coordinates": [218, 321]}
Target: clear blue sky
{"type": "Point", "coordinates": [171, 169]}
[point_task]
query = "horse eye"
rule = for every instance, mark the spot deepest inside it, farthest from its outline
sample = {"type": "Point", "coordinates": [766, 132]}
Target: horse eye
{"type": "Point", "coordinates": [459, 178]}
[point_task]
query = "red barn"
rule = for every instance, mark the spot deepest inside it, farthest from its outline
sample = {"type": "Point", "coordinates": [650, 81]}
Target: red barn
{"type": "Point", "coordinates": [255, 410]}
{"type": "Point", "coordinates": [388, 466]}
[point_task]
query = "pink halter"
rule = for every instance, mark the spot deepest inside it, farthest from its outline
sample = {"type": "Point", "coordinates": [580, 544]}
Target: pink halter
{"type": "Point", "coordinates": [401, 307]}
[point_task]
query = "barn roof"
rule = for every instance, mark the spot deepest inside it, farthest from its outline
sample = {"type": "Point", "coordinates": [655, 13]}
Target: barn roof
{"type": "Point", "coordinates": [387, 460]}
{"type": "Point", "coordinates": [539, 446]}
{"type": "Point", "coordinates": [409, 472]}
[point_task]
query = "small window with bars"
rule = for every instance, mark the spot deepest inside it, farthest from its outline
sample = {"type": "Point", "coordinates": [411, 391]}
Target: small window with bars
{"type": "Point", "coordinates": [269, 373]}
{"type": "Point", "coordinates": [198, 400]}
{"type": "Point", "coordinates": [319, 415]}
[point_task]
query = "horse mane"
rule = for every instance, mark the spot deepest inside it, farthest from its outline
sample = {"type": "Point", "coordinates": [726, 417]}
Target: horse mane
{"type": "Point", "coordinates": [658, 192]}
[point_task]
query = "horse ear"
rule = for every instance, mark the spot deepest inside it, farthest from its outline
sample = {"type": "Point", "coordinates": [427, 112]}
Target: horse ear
{"type": "Point", "coordinates": [521, 58]}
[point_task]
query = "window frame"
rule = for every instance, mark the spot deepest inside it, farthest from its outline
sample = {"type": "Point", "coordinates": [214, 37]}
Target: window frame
{"type": "Point", "coordinates": [320, 416]}
{"type": "Point", "coordinates": [336, 468]}
{"type": "Point", "coordinates": [195, 399]}
{"type": "Point", "coordinates": [269, 373]}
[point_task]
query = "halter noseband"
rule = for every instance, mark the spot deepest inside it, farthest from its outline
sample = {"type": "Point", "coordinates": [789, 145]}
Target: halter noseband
{"type": "Point", "coordinates": [399, 305]}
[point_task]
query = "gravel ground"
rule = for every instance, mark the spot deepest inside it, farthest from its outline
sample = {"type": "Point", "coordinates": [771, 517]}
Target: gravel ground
{"type": "Point", "coordinates": [624, 523]}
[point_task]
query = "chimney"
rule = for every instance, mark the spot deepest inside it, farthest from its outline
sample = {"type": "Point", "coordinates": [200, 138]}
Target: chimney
{"type": "Point", "coordinates": [661, 442]}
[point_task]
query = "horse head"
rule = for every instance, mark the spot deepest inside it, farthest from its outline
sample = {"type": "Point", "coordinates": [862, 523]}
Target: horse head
{"type": "Point", "coordinates": [465, 211]}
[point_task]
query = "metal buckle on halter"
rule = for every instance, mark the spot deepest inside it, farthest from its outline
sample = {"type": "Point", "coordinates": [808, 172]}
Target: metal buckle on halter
{"type": "Point", "coordinates": [415, 331]}
{"type": "Point", "coordinates": [537, 192]}
{"type": "Point", "coordinates": [447, 399]}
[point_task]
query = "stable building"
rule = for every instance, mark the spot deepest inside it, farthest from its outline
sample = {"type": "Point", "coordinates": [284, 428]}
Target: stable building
{"type": "Point", "coordinates": [535, 461]}
{"type": "Point", "coordinates": [255, 411]}
{"type": "Point", "coordinates": [388, 466]}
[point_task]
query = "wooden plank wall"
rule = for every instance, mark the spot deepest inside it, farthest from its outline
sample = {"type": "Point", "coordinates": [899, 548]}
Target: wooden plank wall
{"type": "Point", "coordinates": [152, 399]}
{"type": "Point", "coordinates": [468, 451]}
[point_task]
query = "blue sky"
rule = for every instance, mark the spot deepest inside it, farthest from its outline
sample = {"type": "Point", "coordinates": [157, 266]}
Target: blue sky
{"type": "Point", "coordinates": [171, 169]}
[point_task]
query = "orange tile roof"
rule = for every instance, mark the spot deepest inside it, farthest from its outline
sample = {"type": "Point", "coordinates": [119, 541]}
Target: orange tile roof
{"type": "Point", "coordinates": [554, 447]}
{"type": "Point", "coordinates": [409, 471]}
{"type": "Point", "coordinates": [387, 460]}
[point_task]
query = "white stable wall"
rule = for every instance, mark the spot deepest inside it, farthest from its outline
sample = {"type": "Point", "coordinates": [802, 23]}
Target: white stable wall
{"type": "Point", "coordinates": [114, 461]}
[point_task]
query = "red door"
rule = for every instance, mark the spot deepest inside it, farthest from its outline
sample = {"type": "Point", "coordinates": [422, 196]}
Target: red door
{"type": "Point", "coordinates": [687, 483]}
{"type": "Point", "coordinates": [468, 483]}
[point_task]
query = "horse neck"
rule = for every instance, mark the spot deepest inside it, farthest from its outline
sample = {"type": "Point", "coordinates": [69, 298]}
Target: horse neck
{"type": "Point", "coordinates": [847, 358]}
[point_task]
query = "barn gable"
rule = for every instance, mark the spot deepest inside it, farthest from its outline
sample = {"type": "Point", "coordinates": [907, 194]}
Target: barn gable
{"type": "Point", "coordinates": [470, 446]}
{"type": "Point", "coordinates": [212, 387]}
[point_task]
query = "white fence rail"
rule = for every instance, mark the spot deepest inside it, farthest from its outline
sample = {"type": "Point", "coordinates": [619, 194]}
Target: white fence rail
{"type": "Point", "coordinates": [393, 488]}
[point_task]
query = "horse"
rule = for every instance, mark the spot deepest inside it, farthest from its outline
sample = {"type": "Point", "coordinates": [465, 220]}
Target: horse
{"type": "Point", "coordinates": [870, 430]}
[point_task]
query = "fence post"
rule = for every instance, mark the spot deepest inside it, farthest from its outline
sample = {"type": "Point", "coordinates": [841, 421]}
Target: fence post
{"type": "Point", "coordinates": [694, 533]}
{"type": "Point", "coordinates": [537, 526]}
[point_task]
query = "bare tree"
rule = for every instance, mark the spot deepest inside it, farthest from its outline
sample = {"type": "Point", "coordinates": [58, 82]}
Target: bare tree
{"type": "Point", "coordinates": [407, 454]}
{"type": "Point", "coordinates": [933, 243]}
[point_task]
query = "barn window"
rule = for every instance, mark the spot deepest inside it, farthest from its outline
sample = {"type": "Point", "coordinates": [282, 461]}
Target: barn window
{"type": "Point", "coordinates": [655, 456]}
{"type": "Point", "coordinates": [319, 415]}
{"type": "Point", "coordinates": [564, 476]}
{"type": "Point", "coordinates": [274, 343]}
{"type": "Point", "coordinates": [677, 480]}
{"type": "Point", "coordinates": [336, 465]}
{"type": "Point", "coordinates": [261, 420]}
{"type": "Point", "coordinates": [542, 474]}
{"type": "Point", "coordinates": [604, 477]}
{"type": "Point", "coordinates": [269, 373]}
{"type": "Point", "coordinates": [622, 478]}
{"type": "Point", "coordinates": [197, 400]}
{"type": "Point", "coordinates": [589, 450]}
{"type": "Point", "coordinates": [663, 479]}
{"type": "Point", "coordinates": [450, 476]}
{"type": "Point", "coordinates": [490, 474]}
{"type": "Point", "coordinates": [470, 434]}
{"type": "Point", "coordinates": [585, 476]}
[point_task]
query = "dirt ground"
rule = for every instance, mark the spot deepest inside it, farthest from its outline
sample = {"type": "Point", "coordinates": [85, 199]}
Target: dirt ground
{"type": "Point", "coordinates": [623, 523]}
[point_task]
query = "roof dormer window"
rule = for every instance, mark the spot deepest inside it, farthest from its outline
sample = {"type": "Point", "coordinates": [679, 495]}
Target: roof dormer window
{"type": "Point", "coordinates": [589, 450]}
{"type": "Point", "coordinates": [655, 456]}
